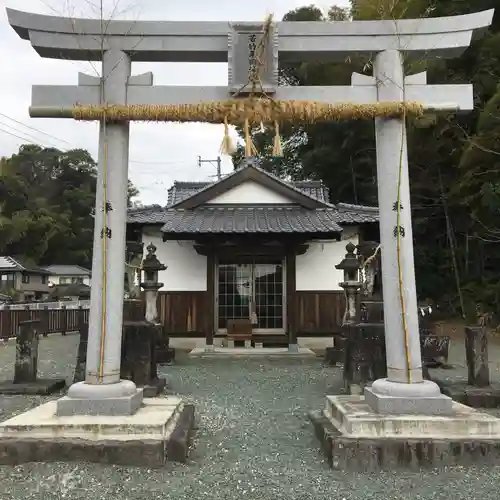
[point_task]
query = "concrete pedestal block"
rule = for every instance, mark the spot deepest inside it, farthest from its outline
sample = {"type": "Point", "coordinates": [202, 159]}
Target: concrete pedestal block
{"type": "Point", "coordinates": [354, 437]}
{"type": "Point", "coordinates": [160, 431]}
{"type": "Point", "coordinates": [425, 398]}
{"type": "Point", "coordinates": [230, 344]}
{"type": "Point", "coordinates": [248, 344]}
{"type": "Point", "coordinates": [122, 398]}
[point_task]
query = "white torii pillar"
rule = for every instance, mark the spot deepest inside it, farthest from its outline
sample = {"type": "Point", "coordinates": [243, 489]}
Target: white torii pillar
{"type": "Point", "coordinates": [403, 391]}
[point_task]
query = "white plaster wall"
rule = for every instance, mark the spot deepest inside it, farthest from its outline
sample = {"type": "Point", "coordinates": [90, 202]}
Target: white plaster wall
{"type": "Point", "coordinates": [56, 280]}
{"type": "Point", "coordinates": [250, 192]}
{"type": "Point", "coordinates": [316, 268]}
{"type": "Point", "coordinates": [186, 270]}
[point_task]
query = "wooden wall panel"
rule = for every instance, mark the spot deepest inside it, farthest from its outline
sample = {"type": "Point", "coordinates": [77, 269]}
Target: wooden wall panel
{"type": "Point", "coordinates": [185, 313]}
{"type": "Point", "coordinates": [319, 312]}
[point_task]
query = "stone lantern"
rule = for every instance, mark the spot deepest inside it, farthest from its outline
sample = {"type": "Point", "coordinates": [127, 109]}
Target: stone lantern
{"type": "Point", "coordinates": [351, 284]}
{"type": "Point", "coordinates": [151, 266]}
{"type": "Point", "coordinates": [134, 251]}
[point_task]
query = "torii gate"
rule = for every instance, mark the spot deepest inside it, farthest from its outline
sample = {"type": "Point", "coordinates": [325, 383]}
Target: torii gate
{"type": "Point", "coordinates": [164, 41]}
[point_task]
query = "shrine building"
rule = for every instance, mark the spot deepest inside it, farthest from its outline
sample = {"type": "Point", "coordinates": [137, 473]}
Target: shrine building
{"type": "Point", "coordinates": [251, 247]}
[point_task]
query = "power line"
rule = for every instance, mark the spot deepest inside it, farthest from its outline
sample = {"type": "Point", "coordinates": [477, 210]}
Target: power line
{"type": "Point", "coordinates": [31, 138]}
{"type": "Point", "coordinates": [28, 136]}
{"type": "Point", "coordinates": [218, 164]}
{"type": "Point", "coordinates": [33, 128]}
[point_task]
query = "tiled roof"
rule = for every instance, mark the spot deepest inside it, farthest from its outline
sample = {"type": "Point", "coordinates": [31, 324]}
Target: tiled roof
{"type": "Point", "coordinates": [8, 263]}
{"type": "Point", "coordinates": [251, 219]}
{"type": "Point", "coordinates": [342, 214]}
{"type": "Point", "coordinates": [67, 270]}
{"type": "Point", "coordinates": [182, 190]}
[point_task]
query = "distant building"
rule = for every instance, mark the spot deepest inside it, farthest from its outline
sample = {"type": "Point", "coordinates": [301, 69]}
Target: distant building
{"type": "Point", "coordinates": [68, 275]}
{"type": "Point", "coordinates": [22, 280]}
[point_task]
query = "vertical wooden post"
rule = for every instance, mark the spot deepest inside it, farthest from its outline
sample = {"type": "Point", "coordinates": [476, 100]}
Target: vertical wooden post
{"type": "Point", "coordinates": [212, 302]}
{"type": "Point", "coordinates": [45, 321]}
{"type": "Point", "coordinates": [290, 320]}
{"type": "Point", "coordinates": [64, 320]}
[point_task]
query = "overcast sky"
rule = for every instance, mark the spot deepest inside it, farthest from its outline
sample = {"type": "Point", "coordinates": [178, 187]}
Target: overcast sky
{"type": "Point", "coordinates": [159, 153]}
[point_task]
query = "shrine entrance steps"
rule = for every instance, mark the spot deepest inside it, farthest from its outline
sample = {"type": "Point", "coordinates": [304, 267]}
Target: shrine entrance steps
{"type": "Point", "coordinates": [253, 352]}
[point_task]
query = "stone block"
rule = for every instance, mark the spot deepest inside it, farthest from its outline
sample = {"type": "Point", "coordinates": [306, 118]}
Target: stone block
{"type": "Point", "coordinates": [354, 417]}
{"type": "Point", "coordinates": [248, 344]}
{"type": "Point", "coordinates": [112, 406]}
{"type": "Point", "coordinates": [476, 351]}
{"type": "Point", "coordinates": [476, 397]}
{"type": "Point", "coordinates": [395, 405]}
{"type": "Point", "coordinates": [354, 437]}
{"type": "Point", "coordinates": [40, 387]}
{"type": "Point", "coordinates": [154, 388]}
{"type": "Point", "coordinates": [380, 453]}
{"type": "Point", "coordinates": [160, 431]}
{"type": "Point", "coordinates": [139, 356]}
{"type": "Point", "coordinates": [230, 344]}
{"type": "Point", "coordinates": [259, 345]}
{"type": "Point", "coordinates": [25, 369]}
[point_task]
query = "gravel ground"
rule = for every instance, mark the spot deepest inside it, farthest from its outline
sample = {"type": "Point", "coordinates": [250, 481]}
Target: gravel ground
{"type": "Point", "coordinates": [254, 442]}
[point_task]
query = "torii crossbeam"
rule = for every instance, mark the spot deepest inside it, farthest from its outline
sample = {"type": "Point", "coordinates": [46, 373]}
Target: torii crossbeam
{"type": "Point", "coordinates": [126, 42]}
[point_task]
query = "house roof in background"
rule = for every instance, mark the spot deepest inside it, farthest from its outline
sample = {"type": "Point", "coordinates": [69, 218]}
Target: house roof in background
{"type": "Point", "coordinates": [67, 270]}
{"type": "Point", "coordinates": [8, 263]}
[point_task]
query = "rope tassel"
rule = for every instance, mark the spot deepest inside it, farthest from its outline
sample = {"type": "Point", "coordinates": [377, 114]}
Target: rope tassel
{"type": "Point", "coordinates": [277, 146]}
{"type": "Point", "coordinates": [227, 146]}
{"type": "Point", "coordinates": [250, 149]}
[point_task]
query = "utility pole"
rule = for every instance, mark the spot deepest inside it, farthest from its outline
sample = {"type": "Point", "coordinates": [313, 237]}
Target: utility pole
{"type": "Point", "coordinates": [215, 163]}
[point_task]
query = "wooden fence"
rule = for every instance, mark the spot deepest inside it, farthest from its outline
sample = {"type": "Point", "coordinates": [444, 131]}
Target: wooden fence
{"type": "Point", "coordinates": [59, 320]}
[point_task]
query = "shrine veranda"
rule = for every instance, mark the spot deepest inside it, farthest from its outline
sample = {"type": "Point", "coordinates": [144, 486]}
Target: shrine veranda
{"type": "Point", "coordinates": [253, 51]}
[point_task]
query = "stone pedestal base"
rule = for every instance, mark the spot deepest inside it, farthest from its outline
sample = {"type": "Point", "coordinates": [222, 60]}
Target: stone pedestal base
{"type": "Point", "coordinates": [353, 436]}
{"type": "Point", "coordinates": [293, 348]}
{"type": "Point", "coordinates": [385, 397]}
{"type": "Point", "coordinates": [39, 387]}
{"type": "Point", "coordinates": [122, 398]}
{"type": "Point", "coordinates": [159, 431]}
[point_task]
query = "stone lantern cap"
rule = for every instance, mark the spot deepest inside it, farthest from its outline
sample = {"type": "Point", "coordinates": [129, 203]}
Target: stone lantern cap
{"type": "Point", "coordinates": [350, 261]}
{"type": "Point", "coordinates": [151, 262]}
